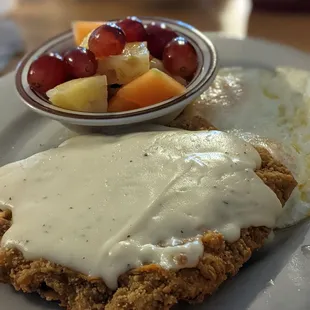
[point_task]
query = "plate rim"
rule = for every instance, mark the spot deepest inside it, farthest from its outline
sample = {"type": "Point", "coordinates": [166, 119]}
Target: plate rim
{"type": "Point", "coordinates": [9, 78]}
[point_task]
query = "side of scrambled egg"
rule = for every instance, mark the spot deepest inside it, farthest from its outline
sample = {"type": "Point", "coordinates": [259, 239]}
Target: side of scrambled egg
{"type": "Point", "coordinates": [270, 109]}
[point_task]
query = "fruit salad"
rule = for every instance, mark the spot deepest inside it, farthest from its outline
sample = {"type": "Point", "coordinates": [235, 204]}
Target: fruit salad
{"type": "Point", "coordinates": [115, 67]}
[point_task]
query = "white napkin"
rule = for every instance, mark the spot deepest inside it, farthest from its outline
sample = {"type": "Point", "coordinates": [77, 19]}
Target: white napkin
{"type": "Point", "coordinates": [6, 6]}
{"type": "Point", "coordinates": [234, 17]}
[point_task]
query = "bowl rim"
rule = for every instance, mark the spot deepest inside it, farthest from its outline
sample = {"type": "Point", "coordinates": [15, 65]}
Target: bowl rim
{"type": "Point", "coordinates": [48, 108]}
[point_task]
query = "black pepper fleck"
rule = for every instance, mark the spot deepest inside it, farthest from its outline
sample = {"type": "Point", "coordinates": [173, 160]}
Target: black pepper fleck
{"type": "Point", "coordinates": [86, 240]}
{"type": "Point", "coordinates": [89, 208]}
{"type": "Point", "coordinates": [45, 197]}
{"type": "Point", "coordinates": [181, 231]}
{"type": "Point", "coordinates": [113, 219]}
{"type": "Point", "coordinates": [71, 208]}
{"type": "Point", "coordinates": [83, 257]}
{"type": "Point", "coordinates": [27, 241]}
{"type": "Point", "coordinates": [131, 161]}
{"type": "Point", "coordinates": [146, 154]}
{"type": "Point", "coordinates": [128, 265]}
{"type": "Point", "coordinates": [214, 186]}
{"type": "Point", "coordinates": [225, 202]}
{"type": "Point", "coordinates": [10, 198]}
{"type": "Point", "coordinates": [43, 225]}
{"type": "Point", "coordinates": [226, 153]}
{"type": "Point", "coordinates": [244, 152]}
{"type": "Point", "coordinates": [128, 236]}
{"type": "Point", "coordinates": [24, 179]}
{"type": "Point", "coordinates": [46, 231]}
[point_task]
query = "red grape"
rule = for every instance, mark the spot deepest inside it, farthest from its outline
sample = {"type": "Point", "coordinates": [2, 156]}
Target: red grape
{"type": "Point", "coordinates": [180, 58]}
{"type": "Point", "coordinates": [133, 29]}
{"type": "Point", "coordinates": [158, 36]}
{"type": "Point", "coordinates": [80, 62]}
{"type": "Point", "coordinates": [46, 72]}
{"type": "Point", "coordinates": [107, 40]}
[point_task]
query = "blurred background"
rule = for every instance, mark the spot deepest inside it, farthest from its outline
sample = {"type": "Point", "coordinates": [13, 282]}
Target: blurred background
{"type": "Point", "coordinates": [24, 24]}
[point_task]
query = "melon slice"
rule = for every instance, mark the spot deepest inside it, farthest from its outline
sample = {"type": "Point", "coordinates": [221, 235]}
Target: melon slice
{"type": "Point", "coordinates": [82, 28]}
{"type": "Point", "coordinates": [84, 95]}
{"type": "Point", "coordinates": [152, 87]}
{"type": "Point", "coordinates": [118, 104]}
{"type": "Point", "coordinates": [158, 64]}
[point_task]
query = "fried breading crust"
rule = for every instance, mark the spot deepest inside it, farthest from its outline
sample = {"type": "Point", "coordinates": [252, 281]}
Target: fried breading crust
{"type": "Point", "coordinates": [149, 287]}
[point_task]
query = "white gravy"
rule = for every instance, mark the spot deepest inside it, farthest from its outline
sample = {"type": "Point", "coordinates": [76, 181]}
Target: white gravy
{"type": "Point", "coordinates": [102, 205]}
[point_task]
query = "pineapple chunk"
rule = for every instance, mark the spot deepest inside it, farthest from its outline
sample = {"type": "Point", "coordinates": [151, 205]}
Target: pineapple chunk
{"type": "Point", "coordinates": [124, 68]}
{"type": "Point", "coordinates": [84, 95]}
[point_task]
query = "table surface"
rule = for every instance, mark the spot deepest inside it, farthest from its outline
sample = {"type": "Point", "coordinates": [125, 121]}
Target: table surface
{"type": "Point", "coordinates": [40, 19]}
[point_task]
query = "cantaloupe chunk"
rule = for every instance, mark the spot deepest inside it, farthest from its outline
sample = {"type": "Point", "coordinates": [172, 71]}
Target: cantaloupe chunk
{"type": "Point", "coordinates": [118, 104]}
{"type": "Point", "coordinates": [82, 28]}
{"type": "Point", "coordinates": [150, 88]}
{"type": "Point", "coordinates": [158, 64]}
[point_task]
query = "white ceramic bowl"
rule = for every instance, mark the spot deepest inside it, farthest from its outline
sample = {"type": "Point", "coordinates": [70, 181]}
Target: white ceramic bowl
{"type": "Point", "coordinates": [162, 112]}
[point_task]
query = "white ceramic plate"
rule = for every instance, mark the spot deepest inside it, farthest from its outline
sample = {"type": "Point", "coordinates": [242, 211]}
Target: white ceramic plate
{"type": "Point", "coordinates": [277, 280]}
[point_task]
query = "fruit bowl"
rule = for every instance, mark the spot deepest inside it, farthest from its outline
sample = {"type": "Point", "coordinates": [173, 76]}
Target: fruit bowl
{"type": "Point", "coordinates": [161, 112]}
